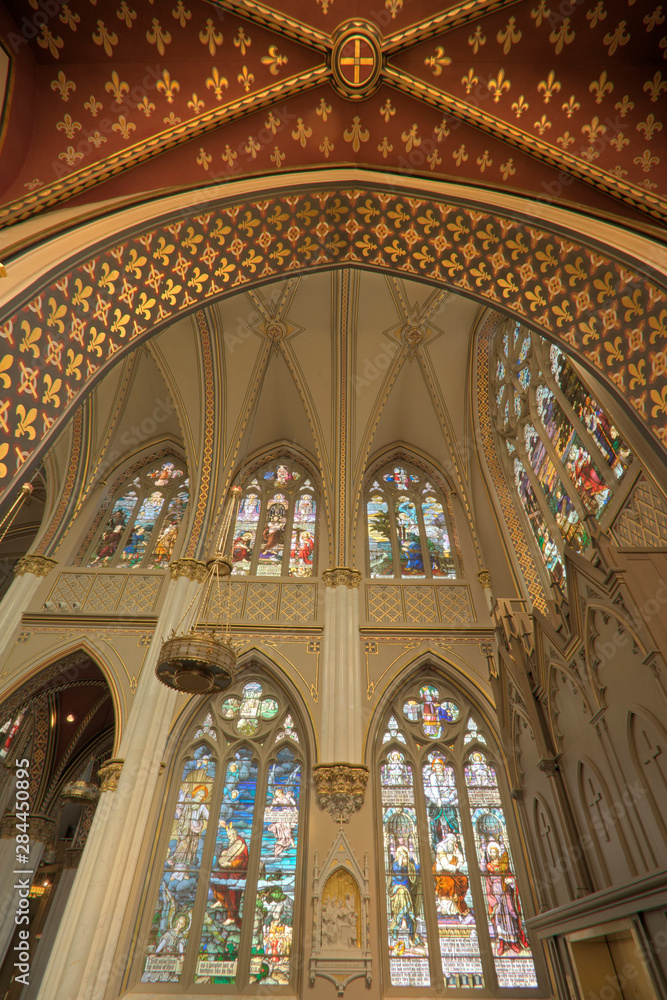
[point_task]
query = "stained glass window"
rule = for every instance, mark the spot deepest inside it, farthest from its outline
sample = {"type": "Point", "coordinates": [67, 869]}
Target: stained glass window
{"type": "Point", "coordinates": [564, 455]}
{"type": "Point", "coordinates": [454, 911]}
{"type": "Point", "coordinates": [225, 907]}
{"type": "Point", "coordinates": [408, 532]}
{"type": "Point", "coordinates": [143, 526]}
{"type": "Point", "coordinates": [276, 523]}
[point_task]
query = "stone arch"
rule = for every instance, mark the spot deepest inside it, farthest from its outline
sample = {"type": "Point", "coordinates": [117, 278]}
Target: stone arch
{"type": "Point", "coordinates": [67, 326]}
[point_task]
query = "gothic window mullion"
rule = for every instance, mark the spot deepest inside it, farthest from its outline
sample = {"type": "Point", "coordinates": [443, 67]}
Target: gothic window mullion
{"type": "Point", "coordinates": [261, 524]}
{"type": "Point", "coordinates": [395, 540]}
{"type": "Point", "coordinates": [289, 524]}
{"type": "Point", "coordinates": [557, 463]}
{"type": "Point", "coordinates": [430, 912]}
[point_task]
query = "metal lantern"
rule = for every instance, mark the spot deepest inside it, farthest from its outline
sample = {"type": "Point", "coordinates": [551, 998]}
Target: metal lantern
{"type": "Point", "coordinates": [202, 659]}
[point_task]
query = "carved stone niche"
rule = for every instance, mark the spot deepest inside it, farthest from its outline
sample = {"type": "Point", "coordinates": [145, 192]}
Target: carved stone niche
{"type": "Point", "coordinates": [340, 788]}
{"type": "Point", "coordinates": [341, 951]}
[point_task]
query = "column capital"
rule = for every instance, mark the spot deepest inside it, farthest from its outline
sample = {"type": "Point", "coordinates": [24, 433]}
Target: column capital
{"type": "Point", "coordinates": [341, 576]}
{"type": "Point", "coordinates": [109, 775]}
{"type": "Point", "coordinates": [340, 788]}
{"type": "Point", "coordinates": [41, 828]}
{"type": "Point", "coordinates": [484, 577]}
{"type": "Point", "coordinates": [548, 766]}
{"type": "Point", "coordinates": [191, 569]}
{"type": "Point", "coordinates": [37, 565]}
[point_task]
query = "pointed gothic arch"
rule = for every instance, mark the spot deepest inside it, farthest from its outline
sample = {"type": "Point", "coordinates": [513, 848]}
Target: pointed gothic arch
{"type": "Point", "coordinates": [572, 289]}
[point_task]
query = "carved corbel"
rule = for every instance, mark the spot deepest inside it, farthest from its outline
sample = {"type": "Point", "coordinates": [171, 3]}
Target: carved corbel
{"type": "Point", "coordinates": [340, 788]}
{"type": "Point", "coordinates": [37, 565]}
{"type": "Point", "coordinates": [191, 569]}
{"type": "Point", "coordinates": [109, 775]}
{"type": "Point", "coordinates": [341, 576]}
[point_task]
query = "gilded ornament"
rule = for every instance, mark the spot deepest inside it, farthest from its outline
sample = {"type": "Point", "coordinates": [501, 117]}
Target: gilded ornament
{"type": "Point", "coordinates": [37, 565]}
{"type": "Point", "coordinates": [341, 576]}
{"type": "Point", "coordinates": [109, 775]}
{"type": "Point", "coordinates": [192, 569]}
{"type": "Point", "coordinates": [340, 788]}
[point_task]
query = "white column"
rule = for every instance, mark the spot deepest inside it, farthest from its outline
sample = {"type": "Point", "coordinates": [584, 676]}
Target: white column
{"type": "Point", "coordinates": [81, 961]}
{"type": "Point", "coordinates": [341, 679]}
{"type": "Point", "coordinates": [28, 574]}
{"type": "Point", "coordinates": [40, 955]}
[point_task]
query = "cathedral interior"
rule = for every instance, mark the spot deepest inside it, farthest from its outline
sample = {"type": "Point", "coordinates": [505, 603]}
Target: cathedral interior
{"type": "Point", "coordinates": [333, 499]}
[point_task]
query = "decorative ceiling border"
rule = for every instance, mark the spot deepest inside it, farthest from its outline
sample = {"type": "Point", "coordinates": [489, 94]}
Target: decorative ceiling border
{"type": "Point", "coordinates": [603, 309]}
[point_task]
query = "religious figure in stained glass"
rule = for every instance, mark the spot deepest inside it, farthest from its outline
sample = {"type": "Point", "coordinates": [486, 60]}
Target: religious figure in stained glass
{"type": "Point", "coordinates": [563, 453]}
{"type": "Point", "coordinates": [407, 530]}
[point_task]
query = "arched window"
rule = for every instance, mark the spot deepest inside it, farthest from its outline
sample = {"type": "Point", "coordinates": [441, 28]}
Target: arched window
{"type": "Point", "coordinates": [276, 525]}
{"type": "Point", "coordinates": [408, 530]}
{"type": "Point", "coordinates": [143, 525]}
{"type": "Point", "coordinates": [560, 449]}
{"type": "Point", "coordinates": [454, 913]}
{"type": "Point", "coordinates": [224, 912]}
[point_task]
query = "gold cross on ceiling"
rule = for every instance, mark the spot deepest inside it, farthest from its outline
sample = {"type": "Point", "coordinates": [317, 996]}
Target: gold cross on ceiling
{"type": "Point", "coordinates": [357, 61]}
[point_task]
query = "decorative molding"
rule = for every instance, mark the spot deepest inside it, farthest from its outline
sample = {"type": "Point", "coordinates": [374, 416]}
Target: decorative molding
{"type": "Point", "coordinates": [548, 766]}
{"type": "Point", "coordinates": [341, 902]}
{"type": "Point", "coordinates": [37, 565]}
{"type": "Point", "coordinates": [72, 473]}
{"type": "Point", "coordinates": [341, 576]}
{"type": "Point", "coordinates": [109, 775]}
{"type": "Point", "coordinates": [484, 577]}
{"type": "Point", "coordinates": [41, 829]}
{"type": "Point", "coordinates": [340, 788]}
{"type": "Point", "coordinates": [192, 569]}
{"type": "Point", "coordinates": [209, 429]}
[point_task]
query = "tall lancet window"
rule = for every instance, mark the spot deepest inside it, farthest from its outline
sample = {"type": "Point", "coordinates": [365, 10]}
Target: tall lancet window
{"type": "Point", "coordinates": [142, 528]}
{"type": "Point", "coordinates": [453, 898]}
{"type": "Point", "coordinates": [560, 449]}
{"type": "Point", "coordinates": [223, 912]}
{"type": "Point", "coordinates": [407, 525]}
{"type": "Point", "coordinates": [276, 526]}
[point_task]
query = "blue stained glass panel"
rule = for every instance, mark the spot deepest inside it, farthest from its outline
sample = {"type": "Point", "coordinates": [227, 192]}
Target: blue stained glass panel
{"type": "Point", "coordinates": [407, 529]}
{"type": "Point", "coordinates": [379, 537]}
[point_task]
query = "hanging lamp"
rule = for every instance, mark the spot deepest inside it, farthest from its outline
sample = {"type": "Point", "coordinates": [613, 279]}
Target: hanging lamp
{"type": "Point", "coordinates": [201, 659]}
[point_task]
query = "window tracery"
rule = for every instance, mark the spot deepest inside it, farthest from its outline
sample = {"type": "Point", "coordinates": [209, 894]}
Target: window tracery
{"type": "Point", "coordinates": [454, 914]}
{"type": "Point", "coordinates": [143, 526]}
{"type": "Point", "coordinates": [407, 529]}
{"type": "Point", "coordinates": [559, 448]}
{"type": "Point", "coordinates": [276, 525]}
{"type": "Point", "coordinates": [224, 913]}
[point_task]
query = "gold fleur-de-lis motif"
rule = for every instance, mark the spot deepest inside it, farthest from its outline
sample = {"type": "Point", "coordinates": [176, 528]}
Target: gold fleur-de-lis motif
{"type": "Point", "coordinates": [65, 87]}
{"type": "Point", "coordinates": [326, 147]}
{"type": "Point", "coordinates": [93, 105]}
{"type": "Point", "coordinates": [507, 169]}
{"type": "Point", "coordinates": [411, 138]}
{"type": "Point", "coordinates": [146, 107]}
{"type": "Point", "coordinates": [123, 127]}
{"type": "Point", "coordinates": [520, 105]}
{"type": "Point", "coordinates": [229, 155]}
{"type": "Point", "coordinates": [216, 83]}
{"type": "Point", "coordinates": [540, 13]}
{"type": "Point", "coordinates": [596, 13]}
{"type": "Point", "coordinates": [302, 132]}
{"type": "Point", "coordinates": [70, 127]}
{"type": "Point", "coordinates": [356, 134]}
{"type": "Point", "coordinates": [277, 157]}
{"type": "Point", "coordinates": [252, 147]}
{"type": "Point", "coordinates": [105, 38]}
{"type": "Point", "coordinates": [601, 87]}
{"type": "Point", "coordinates": [125, 13]}
{"type": "Point", "coordinates": [168, 86]}
{"type": "Point", "coordinates": [393, 6]}
{"type": "Point", "coordinates": [498, 86]}
{"type": "Point", "coordinates": [653, 20]}
{"type": "Point", "coordinates": [460, 155]}
{"type": "Point", "coordinates": [385, 147]}
{"type": "Point", "coordinates": [158, 36]}
{"type": "Point", "coordinates": [117, 87]}
{"type": "Point", "coordinates": [484, 161]}
{"type": "Point", "coordinates": [649, 127]}
{"type": "Point", "coordinates": [246, 79]}
{"type": "Point", "coordinates": [437, 61]}
{"type": "Point", "coordinates": [653, 87]}
{"type": "Point", "coordinates": [387, 110]}
{"type": "Point", "coordinates": [272, 123]}
{"type": "Point", "coordinates": [242, 41]}
{"type": "Point", "coordinates": [614, 39]}
{"type": "Point", "coordinates": [47, 40]}
{"type": "Point", "coordinates": [69, 17]}
{"type": "Point", "coordinates": [323, 110]}
{"type": "Point", "coordinates": [549, 87]}
{"type": "Point", "coordinates": [562, 35]}
{"type": "Point", "coordinates": [509, 35]}
{"type": "Point", "coordinates": [469, 80]}
{"type": "Point", "coordinates": [97, 138]}
{"type": "Point", "coordinates": [542, 125]}
{"type": "Point", "coordinates": [171, 119]}
{"type": "Point", "coordinates": [70, 156]}
{"type": "Point", "coordinates": [195, 104]}
{"type": "Point", "coordinates": [209, 36]}
{"type": "Point", "coordinates": [442, 130]}
{"type": "Point", "coordinates": [274, 60]}
{"type": "Point", "coordinates": [477, 39]}
{"type": "Point", "coordinates": [619, 141]}
{"type": "Point", "coordinates": [565, 140]}
{"type": "Point", "coordinates": [433, 159]}
{"type": "Point", "coordinates": [594, 129]}
{"type": "Point", "coordinates": [646, 161]}
{"type": "Point", "coordinates": [181, 13]}
{"type": "Point", "coordinates": [571, 106]}
{"type": "Point", "coordinates": [624, 106]}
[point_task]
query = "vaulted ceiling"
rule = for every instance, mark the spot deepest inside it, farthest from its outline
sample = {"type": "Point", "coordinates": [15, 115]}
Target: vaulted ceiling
{"type": "Point", "coordinates": [558, 101]}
